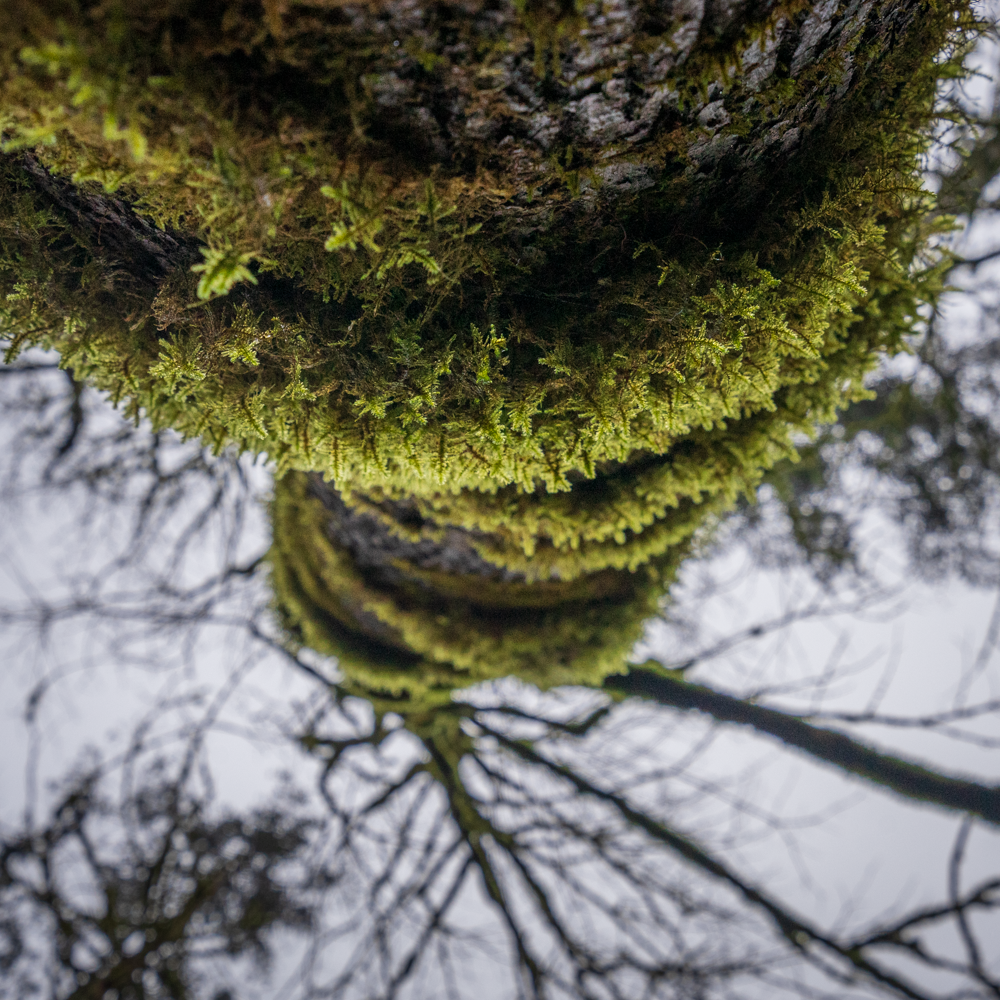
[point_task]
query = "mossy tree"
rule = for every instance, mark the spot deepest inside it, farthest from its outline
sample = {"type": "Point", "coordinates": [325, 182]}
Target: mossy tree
{"type": "Point", "coordinates": [516, 295]}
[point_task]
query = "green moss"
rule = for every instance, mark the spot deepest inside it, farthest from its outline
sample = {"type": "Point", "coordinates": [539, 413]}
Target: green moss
{"type": "Point", "coordinates": [383, 400]}
{"type": "Point", "coordinates": [395, 335]}
{"type": "Point", "coordinates": [573, 377]}
{"type": "Point", "coordinates": [422, 635]}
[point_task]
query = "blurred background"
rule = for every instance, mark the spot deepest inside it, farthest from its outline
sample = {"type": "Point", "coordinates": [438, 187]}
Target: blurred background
{"type": "Point", "coordinates": [192, 807]}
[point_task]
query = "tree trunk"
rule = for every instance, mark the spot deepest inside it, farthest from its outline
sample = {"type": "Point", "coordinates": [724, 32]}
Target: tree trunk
{"type": "Point", "coordinates": [682, 231]}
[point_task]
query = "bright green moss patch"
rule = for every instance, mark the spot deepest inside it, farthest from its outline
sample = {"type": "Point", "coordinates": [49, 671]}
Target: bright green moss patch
{"type": "Point", "coordinates": [417, 328]}
{"type": "Point", "coordinates": [463, 397]}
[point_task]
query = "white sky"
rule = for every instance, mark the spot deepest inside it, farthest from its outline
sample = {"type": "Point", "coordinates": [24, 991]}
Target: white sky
{"type": "Point", "coordinates": [874, 853]}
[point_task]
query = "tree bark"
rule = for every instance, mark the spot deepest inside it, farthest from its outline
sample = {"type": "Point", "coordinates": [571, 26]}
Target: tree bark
{"type": "Point", "coordinates": [628, 94]}
{"type": "Point", "coordinates": [147, 254]}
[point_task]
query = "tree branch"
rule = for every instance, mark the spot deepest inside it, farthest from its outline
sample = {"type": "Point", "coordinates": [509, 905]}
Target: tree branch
{"type": "Point", "coordinates": [901, 776]}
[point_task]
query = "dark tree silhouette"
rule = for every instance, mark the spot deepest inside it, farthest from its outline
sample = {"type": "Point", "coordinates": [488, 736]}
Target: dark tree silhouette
{"type": "Point", "coordinates": [523, 841]}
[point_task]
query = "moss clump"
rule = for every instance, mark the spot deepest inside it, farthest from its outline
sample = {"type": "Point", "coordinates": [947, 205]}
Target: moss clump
{"type": "Point", "coordinates": [406, 632]}
{"type": "Point", "coordinates": [419, 325]}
